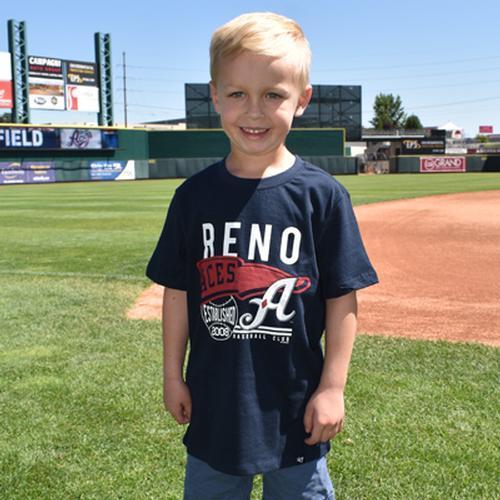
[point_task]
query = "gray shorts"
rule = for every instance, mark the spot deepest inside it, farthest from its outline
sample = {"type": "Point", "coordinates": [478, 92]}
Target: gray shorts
{"type": "Point", "coordinates": [306, 481]}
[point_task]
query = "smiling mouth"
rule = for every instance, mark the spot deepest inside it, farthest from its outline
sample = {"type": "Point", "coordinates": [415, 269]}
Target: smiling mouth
{"type": "Point", "coordinates": [254, 130]}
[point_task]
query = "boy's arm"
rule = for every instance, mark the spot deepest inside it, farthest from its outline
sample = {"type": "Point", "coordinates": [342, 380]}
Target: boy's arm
{"type": "Point", "coordinates": [324, 414]}
{"type": "Point", "coordinates": [176, 396]}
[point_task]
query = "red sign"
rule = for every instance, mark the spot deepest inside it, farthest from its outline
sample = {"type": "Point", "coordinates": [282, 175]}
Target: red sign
{"type": "Point", "coordinates": [485, 129]}
{"type": "Point", "coordinates": [5, 94]}
{"type": "Point", "coordinates": [442, 164]}
{"type": "Point", "coordinates": [252, 279]}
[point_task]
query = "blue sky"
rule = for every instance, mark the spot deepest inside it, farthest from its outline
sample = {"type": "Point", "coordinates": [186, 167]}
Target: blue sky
{"type": "Point", "coordinates": [441, 57]}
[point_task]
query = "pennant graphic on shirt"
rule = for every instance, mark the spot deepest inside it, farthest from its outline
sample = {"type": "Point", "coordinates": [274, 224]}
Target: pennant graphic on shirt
{"type": "Point", "coordinates": [222, 276]}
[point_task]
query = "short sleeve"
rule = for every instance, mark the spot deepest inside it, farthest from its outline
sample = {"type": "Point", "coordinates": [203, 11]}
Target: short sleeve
{"type": "Point", "coordinates": [167, 265]}
{"type": "Point", "coordinates": [343, 263]}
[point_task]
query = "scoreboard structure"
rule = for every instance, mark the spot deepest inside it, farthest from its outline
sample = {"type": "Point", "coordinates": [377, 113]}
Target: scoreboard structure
{"type": "Point", "coordinates": [45, 82]}
{"type": "Point", "coordinates": [331, 106]}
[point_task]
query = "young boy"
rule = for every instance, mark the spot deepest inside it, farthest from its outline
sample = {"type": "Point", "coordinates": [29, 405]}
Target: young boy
{"type": "Point", "coordinates": [260, 253]}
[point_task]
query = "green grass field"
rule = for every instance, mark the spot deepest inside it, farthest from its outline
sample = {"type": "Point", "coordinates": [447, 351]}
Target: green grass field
{"type": "Point", "coordinates": [81, 412]}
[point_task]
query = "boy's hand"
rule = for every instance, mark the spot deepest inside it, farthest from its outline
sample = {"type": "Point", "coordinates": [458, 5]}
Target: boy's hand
{"type": "Point", "coordinates": [177, 400]}
{"type": "Point", "coordinates": [324, 415]}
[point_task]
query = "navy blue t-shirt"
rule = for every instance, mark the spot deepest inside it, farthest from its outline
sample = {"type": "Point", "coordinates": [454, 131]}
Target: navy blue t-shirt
{"type": "Point", "coordinates": [258, 258]}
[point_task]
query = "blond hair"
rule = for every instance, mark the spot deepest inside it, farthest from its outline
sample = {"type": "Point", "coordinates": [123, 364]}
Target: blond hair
{"type": "Point", "coordinates": [263, 33]}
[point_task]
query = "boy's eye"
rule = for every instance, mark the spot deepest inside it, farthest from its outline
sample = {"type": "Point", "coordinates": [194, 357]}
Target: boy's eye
{"type": "Point", "coordinates": [236, 94]}
{"type": "Point", "coordinates": [273, 95]}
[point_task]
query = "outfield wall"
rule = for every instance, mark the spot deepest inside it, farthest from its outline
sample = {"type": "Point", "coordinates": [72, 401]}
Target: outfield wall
{"type": "Point", "coordinates": [146, 154]}
{"type": "Point", "coordinates": [154, 154]}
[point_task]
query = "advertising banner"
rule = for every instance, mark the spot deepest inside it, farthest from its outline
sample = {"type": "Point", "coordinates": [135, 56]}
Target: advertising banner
{"type": "Point", "coordinates": [39, 171]}
{"type": "Point", "coordinates": [456, 150]}
{"type": "Point", "coordinates": [427, 146]}
{"type": "Point", "coordinates": [81, 73]}
{"type": "Point", "coordinates": [82, 91]}
{"type": "Point", "coordinates": [12, 173]}
{"type": "Point", "coordinates": [13, 138]}
{"type": "Point", "coordinates": [106, 170]}
{"type": "Point", "coordinates": [80, 138]}
{"type": "Point", "coordinates": [485, 129]}
{"type": "Point", "coordinates": [442, 164]}
{"type": "Point", "coordinates": [483, 150]}
{"type": "Point", "coordinates": [27, 172]}
{"type": "Point", "coordinates": [45, 93]}
{"type": "Point", "coordinates": [5, 94]}
{"type": "Point", "coordinates": [57, 84]}
{"type": "Point", "coordinates": [29, 138]}
{"type": "Point", "coordinates": [80, 98]}
{"type": "Point", "coordinates": [128, 173]}
{"type": "Point", "coordinates": [46, 83]}
{"type": "Point", "coordinates": [5, 81]}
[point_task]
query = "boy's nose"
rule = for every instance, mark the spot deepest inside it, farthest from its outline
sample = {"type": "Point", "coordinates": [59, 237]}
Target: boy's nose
{"type": "Point", "coordinates": [254, 109]}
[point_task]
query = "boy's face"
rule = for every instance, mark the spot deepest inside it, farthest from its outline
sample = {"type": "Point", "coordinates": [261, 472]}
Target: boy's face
{"type": "Point", "coordinates": [257, 97]}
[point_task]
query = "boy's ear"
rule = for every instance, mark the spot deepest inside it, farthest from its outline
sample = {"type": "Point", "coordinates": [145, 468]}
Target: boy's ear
{"type": "Point", "coordinates": [213, 95]}
{"type": "Point", "coordinates": [304, 99]}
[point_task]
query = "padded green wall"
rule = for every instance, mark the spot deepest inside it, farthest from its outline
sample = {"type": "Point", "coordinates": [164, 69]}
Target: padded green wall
{"type": "Point", "coordinates": [214, 143]}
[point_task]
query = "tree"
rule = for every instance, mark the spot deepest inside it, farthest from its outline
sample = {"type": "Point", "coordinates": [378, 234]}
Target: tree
{"type": "Point", "coordinates": [6, 118]}
{"type": "Point", "coordinates": [389, 112]}
{"type": "Point", "coordinates": [413, 122]}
